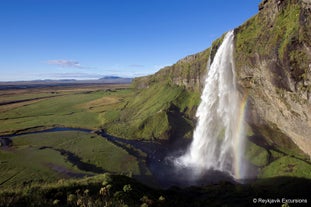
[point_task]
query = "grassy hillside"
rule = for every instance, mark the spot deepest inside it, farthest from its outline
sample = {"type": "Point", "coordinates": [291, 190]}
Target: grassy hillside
{"type": "Point", "coordinates": [158, 111]}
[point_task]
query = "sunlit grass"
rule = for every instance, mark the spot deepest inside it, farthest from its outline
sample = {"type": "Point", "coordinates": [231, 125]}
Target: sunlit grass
{"type": "Point", "coordinates": [80, 110]}
{"type": "Point", "coordinates": [147, 113]}
{"type": "Point", "coordinates": [287, 166]}
{"type": "Point", "coordinates": [27, 161]}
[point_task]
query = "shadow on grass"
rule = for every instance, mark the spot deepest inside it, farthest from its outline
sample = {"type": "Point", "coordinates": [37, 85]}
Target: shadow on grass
{"type": "Point", "coordinates": [76, 160]}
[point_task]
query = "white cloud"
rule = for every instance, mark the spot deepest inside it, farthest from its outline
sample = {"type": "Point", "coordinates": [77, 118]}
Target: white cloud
{"type": "Point", "coordinates": [66, 64]}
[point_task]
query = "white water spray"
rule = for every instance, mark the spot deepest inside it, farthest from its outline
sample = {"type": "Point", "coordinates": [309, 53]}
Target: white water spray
{"type": "Point", "coordinates": [218, 141]}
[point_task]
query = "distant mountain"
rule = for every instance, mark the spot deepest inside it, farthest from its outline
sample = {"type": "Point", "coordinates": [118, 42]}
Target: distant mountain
{"type": "Point", "coordinates": [110, 77]}
{"type": "Point", "coordinates": [115, 79]}
{"type": "Point", "coordinates": [62, 82]}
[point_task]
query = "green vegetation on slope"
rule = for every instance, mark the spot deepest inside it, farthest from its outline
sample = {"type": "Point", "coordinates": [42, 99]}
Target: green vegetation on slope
{"type": "Point", "coordinates": [151, 113]}
{"type": "Point", "coordinates": [261, 34]}
{"type": "Point", "coordinates": [287, 166]}
{"type": "Point", "coordinates": [256, 155]}
{"type": "Point", "coordinates": [188, 72]}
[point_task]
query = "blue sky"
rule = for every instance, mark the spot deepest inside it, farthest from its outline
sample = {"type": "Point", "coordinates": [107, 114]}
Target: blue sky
{"type": "Point", "coordinates": [89, 39]}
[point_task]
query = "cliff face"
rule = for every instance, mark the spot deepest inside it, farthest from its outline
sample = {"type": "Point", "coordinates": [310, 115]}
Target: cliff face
{"type": "Point", "coordinates": [273, 59]}
{"type": "Point", "coordinates": [188, 72]}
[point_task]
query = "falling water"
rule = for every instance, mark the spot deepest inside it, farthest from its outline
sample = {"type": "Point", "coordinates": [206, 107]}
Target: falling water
{"type": "Point", "coordinates": [218, 140]}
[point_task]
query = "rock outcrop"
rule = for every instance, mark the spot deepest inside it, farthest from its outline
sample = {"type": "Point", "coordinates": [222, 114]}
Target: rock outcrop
{"type": "Point", "coordinates": [189, 72]}
{"type": "Point", "coordinates": [274, 68]}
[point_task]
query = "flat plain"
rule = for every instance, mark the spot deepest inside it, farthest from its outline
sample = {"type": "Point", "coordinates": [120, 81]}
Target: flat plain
{"type": "Point", "coordinates": [47, 156]}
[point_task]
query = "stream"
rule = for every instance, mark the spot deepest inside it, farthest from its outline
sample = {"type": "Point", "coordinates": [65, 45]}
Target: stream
{"type": "Point", "coordinates": [159, 159]}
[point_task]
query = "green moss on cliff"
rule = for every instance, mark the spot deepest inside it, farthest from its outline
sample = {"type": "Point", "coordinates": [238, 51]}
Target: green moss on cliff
{"type": "Point", "coordinates": [287, 28]}
{"type": "Point", "coordinates": [188, 72]}
{"type": "Point", "coordinates": [247, 42]}
{"type": "Point", "coordinates": [262, 35]}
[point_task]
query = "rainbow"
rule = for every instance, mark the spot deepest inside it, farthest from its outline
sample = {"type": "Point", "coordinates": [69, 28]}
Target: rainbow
{"type": "Point", "coordinates": [239, 166]}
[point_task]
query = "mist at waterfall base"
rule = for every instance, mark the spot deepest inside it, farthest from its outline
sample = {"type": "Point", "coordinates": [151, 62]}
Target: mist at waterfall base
{"type": "Point", "coordinates": [217, 149]}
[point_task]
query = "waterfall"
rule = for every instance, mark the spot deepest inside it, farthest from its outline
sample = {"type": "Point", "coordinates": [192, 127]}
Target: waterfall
{"type": "Point", "coordinates": [218, 139]}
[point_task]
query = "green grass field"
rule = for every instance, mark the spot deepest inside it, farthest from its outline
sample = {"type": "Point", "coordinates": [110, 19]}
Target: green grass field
{"type": "Point", "coordinates": [39, 158]}
{"type": "Point", "coordinates": [70, 110]}
{"type": "Point", "coordinates": [50, 156]}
